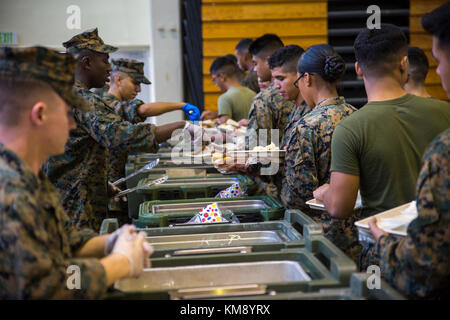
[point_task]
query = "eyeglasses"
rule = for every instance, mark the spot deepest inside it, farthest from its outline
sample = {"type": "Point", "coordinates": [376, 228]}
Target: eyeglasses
{"type": "Point", "coordinates": [296, 81]}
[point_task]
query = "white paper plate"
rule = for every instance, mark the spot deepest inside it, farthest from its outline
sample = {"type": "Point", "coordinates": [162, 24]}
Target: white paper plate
{"type": "Point", "coordinates": [318, 205]}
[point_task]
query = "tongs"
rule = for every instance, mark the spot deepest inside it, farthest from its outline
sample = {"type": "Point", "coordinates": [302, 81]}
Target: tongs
{"type": "Point", "coordinates": [147, 167]}
{"type": "Point", "coordinates": [145, 185]}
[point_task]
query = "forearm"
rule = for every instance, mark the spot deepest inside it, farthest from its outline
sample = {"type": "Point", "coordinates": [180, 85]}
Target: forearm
{"type": "Point", "coordinates": [117, 266]}
{"type": "Point", "coordinates": [336, 207]}
{"type": "Point", "coordinates": [164, 132]}
{"type": "Point", "coordinates": [158, 108]}
{"type": "Point", "coordinates": [94, 248]}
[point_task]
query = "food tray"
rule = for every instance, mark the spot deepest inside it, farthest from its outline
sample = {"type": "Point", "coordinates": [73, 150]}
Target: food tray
{"type": "Point", "coordinates": [398, 230]}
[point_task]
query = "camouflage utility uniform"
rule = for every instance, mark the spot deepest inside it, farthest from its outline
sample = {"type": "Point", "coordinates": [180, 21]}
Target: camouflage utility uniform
{"type": "Point", "coordinates": [37, 241]}
{"type": "Point", "coordinates": [419, 264]}
{"type": "Point", "coordinates": [307, 166]}
{"type": "Point", "coordinates": [80, 174]}
{"type": "Point", "coordinates": [126, 109]}
{"type": "Point", "coordinates": [268, 111]}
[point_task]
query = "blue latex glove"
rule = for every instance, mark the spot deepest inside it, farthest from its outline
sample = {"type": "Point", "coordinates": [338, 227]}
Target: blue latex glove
{"type": "Point", "coordinates": [192, 112]}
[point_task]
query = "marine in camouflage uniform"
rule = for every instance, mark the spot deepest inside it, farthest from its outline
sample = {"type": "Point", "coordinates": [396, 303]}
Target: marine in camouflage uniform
{"type": "Point", "coordinates": [37, 240]}
{"type": "Point", "coordinates": [419, 264]}
{"type": "Point", "coordinates": [80, 174]}
{"type": "Point", "coordinates": [296, 114]}
{"type": "Point", "coordinates": [127, 110]}
{"type": "Point", "coordinates": [294, 117]}
{"type": "Point", "coordinates": [307, 166]}
{"type": "Point", "coordinates": [268, 111]}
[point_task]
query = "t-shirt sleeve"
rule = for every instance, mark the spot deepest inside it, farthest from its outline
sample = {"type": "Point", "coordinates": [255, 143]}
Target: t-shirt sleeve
{"type": "Point", "coordinates": [224, 106]}
{"type": "Point", "coordinates": [344, 152]}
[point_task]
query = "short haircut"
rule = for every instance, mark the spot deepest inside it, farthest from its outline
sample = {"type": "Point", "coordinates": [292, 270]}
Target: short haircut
{"type": "Point", "coordinates": [287, 58]}
{"type": "Point", "coordinates": [231, 57]}
{"type": "Point", "coordinates": [121, 74]}
{"type": "Point", "coordinates": [378, 50]}
{"type": "Point", "coordinates": [224, 65]}
{"type": "Point", "coordinates": [418, 65]}
{"type": "Point", "coordinates": [266, 45]}
{"type": "Point", "coordinates": [18, 94]}
{"type": "Point", "coordinates": [437, 22]}
{"type": "Point", "coordinates": [243, 45]}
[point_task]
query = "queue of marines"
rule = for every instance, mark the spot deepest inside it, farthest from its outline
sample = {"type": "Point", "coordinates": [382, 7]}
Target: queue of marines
{"type": "Point", "coordinates": [61, 146]}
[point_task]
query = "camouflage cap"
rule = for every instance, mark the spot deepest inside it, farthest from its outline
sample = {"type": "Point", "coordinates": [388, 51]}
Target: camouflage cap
{"type": "Point", "coordinates": [57, 69]}
{"type": "Point", "coordinates": [88, 40]}
{"type": "Point", "coordinates": [133, 68]}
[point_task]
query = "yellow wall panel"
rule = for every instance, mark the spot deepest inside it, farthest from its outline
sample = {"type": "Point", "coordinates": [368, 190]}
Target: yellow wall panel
{"type": "Point", "coordinates": [254, 29]}
{"type": "Point", "coordinates": [266, 11]}
{"type": "Point", "coordinates": [225, 22]}
{"type": "Point", "coordinates": [215, 2]}
{"type": "Point", "coordinates": [420, 7]}
{"type": "Point", "coordinates": [211, 100]}
{"type": "Point", "coordinates": [431, 60]}
{"type": "Point", "coordinates": [216, 48]}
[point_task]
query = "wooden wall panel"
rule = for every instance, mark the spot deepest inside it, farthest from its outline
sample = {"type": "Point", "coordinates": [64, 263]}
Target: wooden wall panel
{"type": "Point", "coordinates": [219, 47]}
{"type": "Point", "coordinates": [419, 38]}
{"type": "Point", "coordinates": [225, 22]}
{"type": "Point", "coordinates": [262, 11]}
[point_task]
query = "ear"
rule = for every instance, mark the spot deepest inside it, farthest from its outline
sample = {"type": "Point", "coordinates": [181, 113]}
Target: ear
{"type": "Point", "coordinates": [86, 62]}
{"type": "Point", "coordinates": [358, 70]}
{"type": "Point", "coordinates": [117, 79]}
{"type": "Point", "coordinates": [308, 79]}
{"type": "Point", "coordinates": [38, 113]}
{"type": "Point", "coordinates": [404, 64]}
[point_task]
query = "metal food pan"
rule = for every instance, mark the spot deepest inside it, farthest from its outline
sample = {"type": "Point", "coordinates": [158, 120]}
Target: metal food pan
{"type": "Point", "coordinates": [213, 275]}
{"type": "Point", "coordinates": [358, 290]}
{"type": "Point", "coordinates": [200, 181]}
{"type": "Point", "coordinates": [198, 206]}
{"type": "Point", "coordinates": [192, 187]}
{"type": "Point", "coordinates": [248, 209]}
{"type": "Point", "coordinates": [263, 236]}
{"type": "Point", "coordinates": [278, 274]}
{"type": "Point", "coordinates": [220, 239]}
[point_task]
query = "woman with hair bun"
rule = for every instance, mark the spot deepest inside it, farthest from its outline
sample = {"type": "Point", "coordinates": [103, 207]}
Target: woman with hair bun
{"type": "Point", "coordinates": [308, 153]}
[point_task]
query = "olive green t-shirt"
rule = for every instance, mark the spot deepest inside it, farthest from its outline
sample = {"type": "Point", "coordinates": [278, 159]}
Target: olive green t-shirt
{"type": "Point", "coordinates": [383, 144]}
{"type": "Point", "coordinates": [236, 103]}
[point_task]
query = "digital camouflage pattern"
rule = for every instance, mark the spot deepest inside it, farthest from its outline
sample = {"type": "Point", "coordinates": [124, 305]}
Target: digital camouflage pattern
{"type": "Point", "coordinates": [307, 166]}
{"type": "Point", "coordinates": [419, 264]}
{"type": "Point", "coordinates": [273, 183]}
{"type": "Point", "coordinates": [268, 111]}
{"type": "Point", "coordinates": [80, 174]}
{"type": "Point", "coordinates": [296, 114]}
{"type": "Point", "coordinates": [128, 111]}
{"type": "Point", "coordinates": [87, 40]}
{"type": "Point", "coordinates": [37, 241]}
{"type": "Point", "coordinates": [133, 68]}
{"type": "Point", "coordinates": [50, 66]}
